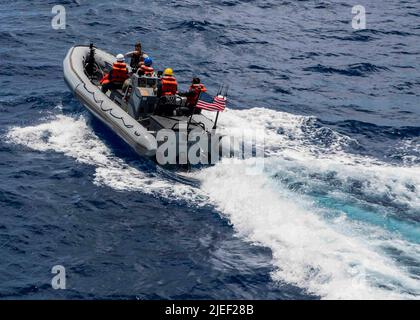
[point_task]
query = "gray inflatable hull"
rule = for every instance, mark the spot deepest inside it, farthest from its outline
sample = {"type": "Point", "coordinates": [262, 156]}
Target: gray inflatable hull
{"type": "Point", "coordinates": [99, 104]}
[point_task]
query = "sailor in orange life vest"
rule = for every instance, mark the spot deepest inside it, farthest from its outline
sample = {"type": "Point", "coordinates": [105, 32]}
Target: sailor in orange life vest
{"type": "Point", "coordinates": [168, 85]}
{"type": "Point", "coordinates": [116, 77]}
{"type": "Point", "coordinates": [145, 68]}
{"type": "Point", "coordinates": [194, 93]}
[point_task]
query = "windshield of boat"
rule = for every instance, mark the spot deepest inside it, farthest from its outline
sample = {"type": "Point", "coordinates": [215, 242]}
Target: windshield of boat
{"type": "Point", "coordinates": [147, 82]}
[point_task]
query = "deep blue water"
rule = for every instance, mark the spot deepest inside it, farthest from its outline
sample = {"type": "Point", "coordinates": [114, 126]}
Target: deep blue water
{"type": "Point", "coordinates": [335, 214]}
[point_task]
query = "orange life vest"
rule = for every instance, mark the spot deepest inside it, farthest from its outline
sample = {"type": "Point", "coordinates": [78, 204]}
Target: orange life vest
{"type": "Point", "coordinates": [147, 71]}
{"type": "Point", "coordinates": [105, 79]}
{"type": "Point", "coordinates": [196, 89]}
{"type": "Point", "coordinates": [119, 72]}
{"type": "Point", "coordinates": [169, 86]}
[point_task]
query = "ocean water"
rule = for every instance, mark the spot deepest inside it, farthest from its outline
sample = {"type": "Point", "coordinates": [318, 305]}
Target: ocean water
{"type": "Point", "coordinates": [335, 213]}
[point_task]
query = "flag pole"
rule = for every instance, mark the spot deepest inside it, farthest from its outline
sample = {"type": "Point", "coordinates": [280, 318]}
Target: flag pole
{"type": "Point", "coordinates": [222, 87]}
{"type": "Point", "coordinates": [189, 120]}
{"type": "Point", "coordinates": [217, 114]}
{"type": "Point", "coordinates": [215, 122]}
{"type": "Point", "coordinates": [192, 113]}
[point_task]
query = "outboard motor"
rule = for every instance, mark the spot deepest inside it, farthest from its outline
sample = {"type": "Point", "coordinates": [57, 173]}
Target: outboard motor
{"type": "Point", "coordinates": [90, 62]}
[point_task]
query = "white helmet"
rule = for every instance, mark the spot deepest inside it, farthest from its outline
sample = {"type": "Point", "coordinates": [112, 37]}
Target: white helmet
{"type": "Point", "coordinates": [120, 57]}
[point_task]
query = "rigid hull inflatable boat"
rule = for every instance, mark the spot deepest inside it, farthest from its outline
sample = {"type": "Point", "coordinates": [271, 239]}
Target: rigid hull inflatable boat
{"type": "Point", "coordinates": [134, 114]}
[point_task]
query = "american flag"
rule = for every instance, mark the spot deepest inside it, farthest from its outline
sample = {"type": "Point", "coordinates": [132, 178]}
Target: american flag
{"type": "Point", "coordinates": [207, 102]}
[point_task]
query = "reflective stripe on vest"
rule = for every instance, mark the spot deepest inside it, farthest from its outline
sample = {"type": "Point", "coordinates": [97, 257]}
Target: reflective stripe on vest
{"type": "Point", "coordinates": [147, 71]}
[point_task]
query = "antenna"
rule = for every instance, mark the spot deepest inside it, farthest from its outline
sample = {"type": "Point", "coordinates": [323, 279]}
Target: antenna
{"type": "Point", "coordinates": [226, 91]}
{"type": "Point", "coordinates": [220, 89]}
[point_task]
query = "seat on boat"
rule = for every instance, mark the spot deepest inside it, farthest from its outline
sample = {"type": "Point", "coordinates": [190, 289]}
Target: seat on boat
{"type": "Point", "coordinates": [161, 122]}
{"type": "Point", "coordinates": [117, 95]}
{"type": "Point", "coordinates": [168, 105]}
{"type": "Point", "coordinates": [198, 121]}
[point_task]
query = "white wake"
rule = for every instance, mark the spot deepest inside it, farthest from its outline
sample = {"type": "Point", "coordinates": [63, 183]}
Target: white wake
{"type": "Point", "coordinates": [334, 259]}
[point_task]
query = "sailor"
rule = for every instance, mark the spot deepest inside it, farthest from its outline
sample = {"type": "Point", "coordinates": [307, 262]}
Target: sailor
{"type": "Point", "coordinates": [194, 92]}
{"type": "Point", "coordinates": [145, 68]}
{"type": "Point", "coordinates": [116, 77]}
{"type": "Point", "coordinates": [136, 56]}
{"type": "Point", "coordinates": [168, 85]}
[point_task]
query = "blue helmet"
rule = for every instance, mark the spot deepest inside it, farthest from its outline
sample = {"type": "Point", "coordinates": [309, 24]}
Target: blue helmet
{"type": "Point", "coordinates": [148, 61]}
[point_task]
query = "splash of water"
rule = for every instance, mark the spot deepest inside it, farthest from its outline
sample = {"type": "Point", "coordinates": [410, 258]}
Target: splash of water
{"type": "Point", "coordinates": [74, 138]}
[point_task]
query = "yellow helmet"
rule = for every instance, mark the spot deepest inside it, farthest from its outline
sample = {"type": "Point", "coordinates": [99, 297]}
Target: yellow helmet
{"type": "Point", "coordinates": [168, 72]}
